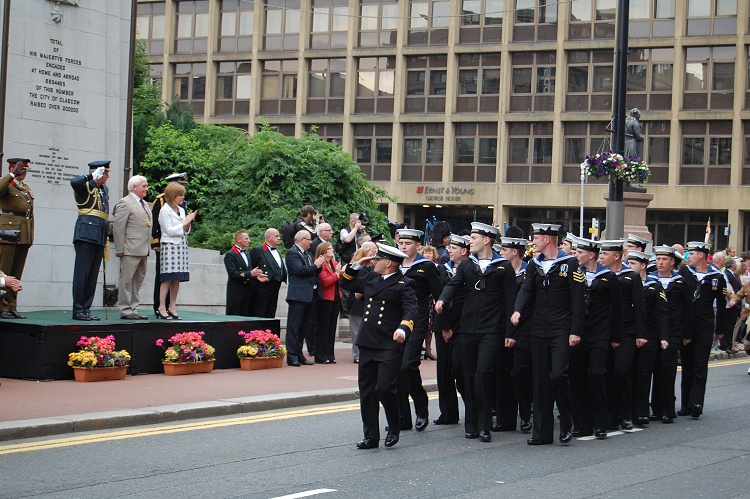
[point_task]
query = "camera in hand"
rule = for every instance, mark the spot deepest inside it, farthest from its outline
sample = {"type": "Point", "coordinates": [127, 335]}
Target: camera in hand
{"type": "Point", "coordinates": [363, 219]}
{"type": "Point", "coordinates": [9, 235]}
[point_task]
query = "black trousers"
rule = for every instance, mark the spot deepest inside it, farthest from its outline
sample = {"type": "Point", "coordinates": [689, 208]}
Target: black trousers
{"type": "Point", "coordinates": [325, 331]}
{"type": "Point", "coordinates": [726, 341]}
{"type": "Point", "coordinates": [378, 381]}
{"type": "Point", "coordinates": [299, 325]}
{"type": "Point", "coordinates": [479, 357]}
{"type": "Point", "coordinates": [265, 299]}
{"type": "Point", "coordinates": [694, 358]}
{"type": "Point", "coordinates": [520, 375]}
{"type": "Point", "coordinates": [588, 385]}
{"type": "Point", "coordinates": [620, 379]}
{"type": "Point", "coordinates": [85, 273]}
{"type": "Point", "coordinates": [505, 404]}
{"type": "Point", "coordinates": [410, 382]}
{"type": "Point", "coordinates": [665, 373]}
{"type": "Point", "coordinates": [550, 363]}
{"type": "Point", "coordinates": [446, 380]}
{"type": "Point", "coordinates": [644, 362]}
{"type": "Point", "coordinates": [157, 284]}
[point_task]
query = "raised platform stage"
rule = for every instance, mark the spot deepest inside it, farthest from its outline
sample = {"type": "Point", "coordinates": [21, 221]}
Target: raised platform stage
{"type": "Point", "coordinates": [37, 347]}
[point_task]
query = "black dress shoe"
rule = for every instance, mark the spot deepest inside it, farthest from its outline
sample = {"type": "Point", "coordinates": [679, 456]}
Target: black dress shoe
{"type": "Point", "coordinates": [141, 317]}
{"type": "Point", "coordinates": [440, 421]}
{"type": "Point", "coordinates": [485, 436]}
{"type": "Point", "coordinates": [130, 317]}
{"type": "Point", "coordinates": [566, 437]}
{"type": "Point", "coordinates": [391, 439]}
{"type": "Point", "coordinates": [600, 433]}
{"type": "Point", "coordinates": [6, 315]}
{"type": "Point", "coordinates": [471, 434]}
{"type": "Point", "coordinates": [642, 421]}
{"type": "Point", "coordinates": [696, 411]}
{"type": "Point", "coordinates": [580, 433]}
{"type": "Point", "coordinates": [538, 441]}
{"type": "Point", "coordinates": [500, 427]}
{"type": "Point", "coordinates": [654, 417]}
{"type": "Point", "coordinates": [421, 424]}
{"type": "Point", "coordinates": [321, 361]}
{"type": "Point", "coordinates": [93, 317]}
{"type": "Point", "coordinates": [293, 364]}
{"type": "Point", "coordinates": [525, 426]}
{"type": "Point", "coordinates": [21, 316]}
{"type": "Point", "coordinates": [683, 412]}
{"type": "Point", "coordinates": [79, 316]}
{"type": "Point", "coordinates": [403, 427]}
{"type": "Point", "coordinates": [306, 362]}
{"type": "Point", "coordinates": [667, 420]}
{"type": "Point", "coordinates": [367, 443]}
{"type": "Point", "coordinates": [626, 424]}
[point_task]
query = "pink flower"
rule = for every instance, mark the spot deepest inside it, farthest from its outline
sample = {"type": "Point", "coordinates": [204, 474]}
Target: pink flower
{"type": "Point", "coordinates": [159, 342]}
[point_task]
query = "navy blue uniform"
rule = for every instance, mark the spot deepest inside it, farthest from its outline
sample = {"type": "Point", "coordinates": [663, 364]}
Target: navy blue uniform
{"type": "Point", "coordinates": [89, 239]}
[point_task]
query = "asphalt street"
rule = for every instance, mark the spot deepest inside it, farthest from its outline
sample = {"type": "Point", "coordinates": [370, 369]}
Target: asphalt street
{"type": "Point", "coordinates": [310, 452]}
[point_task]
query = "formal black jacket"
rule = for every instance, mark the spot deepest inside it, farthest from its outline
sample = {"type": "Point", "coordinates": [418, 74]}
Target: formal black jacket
{"type": "Point", "coordinates": [261, 257]}
{"type": "Point", "coordinates": [239, 282]}
{"type": "Point", "coordinates": [390, 304]}
{"type": "Point", "coordinates": [487, 295]}
{"type": "Point", "coordinates": [303, 276]}
{"type": "Point", "coordinates": [706, 290]}
{"type": "Point", "coordinates": [452, 310]}
{"type": "Point", "coordinates": [679, 305]}
{"type": "Point", "coordinates": [657, 316]}
{"type": "Point", "coordinates": [522, 330]}
{"type": "Point", "coordinates": [555, 297]}
{"type": "Point", "coordinates": [603, 307]}
{"type": "Point", "coordinates": [427, 283]}
{"type": "Point", "coordinates": [634, 309]}
{"type": "Point", "coordinates": [93, 208]}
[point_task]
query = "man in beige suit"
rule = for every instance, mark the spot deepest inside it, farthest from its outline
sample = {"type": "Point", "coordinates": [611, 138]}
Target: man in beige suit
{"type": "Point", "coordinates": [132, 231]}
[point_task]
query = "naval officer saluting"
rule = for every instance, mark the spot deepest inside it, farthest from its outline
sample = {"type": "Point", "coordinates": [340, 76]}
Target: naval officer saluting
{"type": "Point", "coordinates": [390, 311]}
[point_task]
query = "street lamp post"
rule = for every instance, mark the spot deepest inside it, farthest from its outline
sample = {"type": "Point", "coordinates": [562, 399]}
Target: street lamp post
{"type": "Point", "coordinates": [615, 204]}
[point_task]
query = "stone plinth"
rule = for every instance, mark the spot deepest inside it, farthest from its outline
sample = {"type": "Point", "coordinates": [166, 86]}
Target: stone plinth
{"type": "Point", "coordinates": [635, 212]}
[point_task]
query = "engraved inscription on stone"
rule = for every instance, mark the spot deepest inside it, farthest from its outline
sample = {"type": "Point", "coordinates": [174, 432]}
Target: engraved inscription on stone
{"type": "Point", "coordinates": [53, 167]}
{"type": "Point", "coordinates": [56, 78]}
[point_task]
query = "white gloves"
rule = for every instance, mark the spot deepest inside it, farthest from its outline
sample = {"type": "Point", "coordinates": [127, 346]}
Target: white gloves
{"type": "Point", "coordinates": [98, 173]}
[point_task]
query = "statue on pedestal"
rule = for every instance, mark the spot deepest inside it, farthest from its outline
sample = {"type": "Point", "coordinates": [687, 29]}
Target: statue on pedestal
{"type": "Point", "coordinates": [633, 134]}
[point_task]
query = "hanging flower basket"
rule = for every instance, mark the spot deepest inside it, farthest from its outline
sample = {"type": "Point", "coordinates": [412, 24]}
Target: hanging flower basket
{"type": "Point", "coordinates": [608, 163]}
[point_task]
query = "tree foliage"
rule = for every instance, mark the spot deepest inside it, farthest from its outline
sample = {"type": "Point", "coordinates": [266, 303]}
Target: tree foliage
{"type": "Point", "coordinates": [237, 181]}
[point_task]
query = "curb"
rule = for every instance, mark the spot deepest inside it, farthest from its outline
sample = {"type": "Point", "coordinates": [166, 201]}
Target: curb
{"type": "Point", "coordinates": [76, 423]}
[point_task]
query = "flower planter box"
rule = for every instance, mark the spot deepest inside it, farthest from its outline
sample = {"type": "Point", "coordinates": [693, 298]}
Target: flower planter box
{"type": "Point", "coordinates": [84, 374]}
{"type": "Point", "coordinates": [255, 363]}
{"type": "Point", "coordinates": [180, 368]}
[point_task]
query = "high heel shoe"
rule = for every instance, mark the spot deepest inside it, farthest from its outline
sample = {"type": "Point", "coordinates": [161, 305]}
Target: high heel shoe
{"type": "Point", "coordinates": [174, 316]}
{"type": "Point", "coordinates": [163, 317]}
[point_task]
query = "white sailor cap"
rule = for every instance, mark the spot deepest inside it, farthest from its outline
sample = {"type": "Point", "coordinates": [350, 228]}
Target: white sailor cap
{"type": "Point", "coordinates": [413, 234]}
{"type": "Point", "coordinates": [513, 243]}
{"type": "Point", "coordinates": [666, 251]}
{"type": "Point", "coordinates": [613, 244]}
{"type": "Point", "coordinates": [639, 256]}
{"type": "Point", "coordinates": [546, 229]}
{"type": "Point", "coordinates": [390, 253]}
{"type": "Point", "coordinates": [588, 244]}
{"type": "Point", "coordinates": [638, 240]}
{"type": "Point", "coordinates": [462, 241]}
{"type": "Point", "coordinates": [698, 246]}
{"type": "Point", "coordinates": [484, 229]}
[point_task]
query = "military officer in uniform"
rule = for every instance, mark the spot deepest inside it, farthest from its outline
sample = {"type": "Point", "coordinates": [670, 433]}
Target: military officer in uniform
{"type": "Point", "coordinates": [634, 335]}
{"type": "Point", "coordinates": [17, 205]}
{"type": "Point", "coordinates": [390, 312]}
{"type": "Point", "coordinates": [709, 287]}
{"type": "Point", "coordinates": [602, 330]}
{"type": "Point", "coordinates": [447, 328]}
{"type": "Point", "coordinates": [552, 294]}
{"type": "Point", "coordinates": [180, 178]}
{"type": "Point", "coordinates": [427, 282]}
{"type": "Point", "coordinates": [90, 235]}
{"type": "Point", "coordinates": [488, 282]}
{"type": "Point", "coordinates": [679, 317]}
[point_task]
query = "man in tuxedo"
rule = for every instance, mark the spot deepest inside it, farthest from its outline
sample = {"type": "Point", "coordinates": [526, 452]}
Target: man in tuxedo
{"type": "Point", "coordinates": [303, 284]}
{"type": "Point", "coordinates": [89, 236]}
{"type": "Point", "coordinates": [268, 259]}
{"type": "Point", "coordinates": [240, 279]}
{"type": "Point", "coordinates": [390, 314]}
{"type": "Point", "coordinates": [132, 233]}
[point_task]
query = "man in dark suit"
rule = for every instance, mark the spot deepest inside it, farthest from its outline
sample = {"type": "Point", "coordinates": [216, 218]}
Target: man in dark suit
{"type": "Point", "coordinates": [325, 234]}
{"type": "Point", "coordinates": [269, 260]}
{"type": "Point", "coordinates": [90, 235]}
{"type": "Point", "coordinates": [390, 312]}
{"type": "Point", "coordinates": [733, 312]}
{"type": "Point", "coordinates": [240, 279]}
{"type": "Point", "coordinates": [303, 284]}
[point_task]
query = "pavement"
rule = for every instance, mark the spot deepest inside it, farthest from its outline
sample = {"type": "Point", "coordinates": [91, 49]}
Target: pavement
{"type": "Point", "coordinates": [30, 408]}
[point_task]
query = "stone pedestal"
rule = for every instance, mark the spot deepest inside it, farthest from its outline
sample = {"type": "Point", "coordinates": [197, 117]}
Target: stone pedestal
{"type": "Point", "coordinates": [636, 202]}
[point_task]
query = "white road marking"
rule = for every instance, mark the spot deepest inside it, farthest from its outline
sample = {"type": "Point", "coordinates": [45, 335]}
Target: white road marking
{"type": "Point", "coordinates": [612, 434]}
{"type": "Point", "coordinates": [307, 493]}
